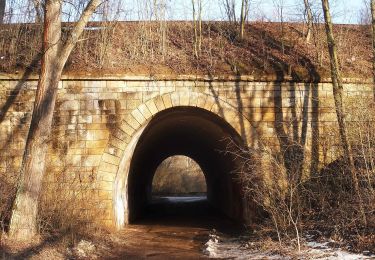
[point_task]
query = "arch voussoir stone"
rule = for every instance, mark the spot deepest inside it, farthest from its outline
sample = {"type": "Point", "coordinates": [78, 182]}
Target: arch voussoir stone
{"type": "Point", "coordinates": [201, 100]}
{"type": "Point", "coordinates": [145, 111]}
{"type": "Point", "coordinates": [138, 116]}
{"type": "Point", "coordinates": [210, 101]}
{"type": "Point", "coordinates": [175, 97]}
{"type": "Point", "coordinates": [159, 103]}
{"type": "Point", "coordinates": [152, 107]}
{"type": "Point", "coordinates": [193, 99]}
{"type": "Point", "coordinates": [167, 100]}
{"type": "Point", "coordinates": [112, 159]}
{"type": "Point", "coordinates": [132, 121]}
{"type": "Point", "coordinates": [184, 98]}
{"type": "Point", "coordinates": [127, 128]}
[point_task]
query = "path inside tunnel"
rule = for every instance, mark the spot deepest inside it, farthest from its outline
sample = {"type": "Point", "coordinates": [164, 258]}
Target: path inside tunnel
{"type": "Point", "coordinates": [194, 212]}
{"type": "Point", "coordinates": [177, 227]}
{"type": "Point", "coordinates": [177, 222]}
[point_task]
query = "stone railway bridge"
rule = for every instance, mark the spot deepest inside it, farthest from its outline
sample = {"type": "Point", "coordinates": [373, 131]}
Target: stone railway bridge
{"type": "Point", "coordinates": [110, 133]}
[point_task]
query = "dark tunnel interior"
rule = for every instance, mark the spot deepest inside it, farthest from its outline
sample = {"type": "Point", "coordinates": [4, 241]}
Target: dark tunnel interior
{"type": "Point", "coordinates": [198, 134]}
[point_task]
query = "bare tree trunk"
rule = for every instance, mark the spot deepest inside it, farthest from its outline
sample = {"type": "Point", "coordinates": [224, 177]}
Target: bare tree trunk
{"type": "Point", "coordinates": [373, 42]}
{"type": "Point", "coordinates": [200, 26]}
{"type": "Point", "coordinates": [309, 20]}
{"type": "Point", "coordinates": [337, 94]}
{"type": "Point", "coordinates": [23, 224]}
{"type": "Point", "coordinates": [2, 10]}
{"type": "Point", "coordinates": [195, 31]}
{"type": "Point", "coordinates": [38, 10]}
{"type": "Point", "coordinates": [242, 19]}
{"type": "Point", "coordinates": [230, 10]}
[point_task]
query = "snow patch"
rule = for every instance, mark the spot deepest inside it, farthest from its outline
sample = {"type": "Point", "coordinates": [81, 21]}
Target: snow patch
{"type": "Point", "coordinates": [320, 250]}
{"type": "Point", "coordinates": [221, 247]}
{"type": "Point", "coordinates": [84, 249]}
{"type": "Point", "coordinates": [185, 199]}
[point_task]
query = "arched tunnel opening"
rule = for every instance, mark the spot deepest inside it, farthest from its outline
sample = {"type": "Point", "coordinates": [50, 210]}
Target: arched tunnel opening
{"type": "Point", "coordinates": [179, 176]}
{"type": "Point", "coordinates": [199, 135]}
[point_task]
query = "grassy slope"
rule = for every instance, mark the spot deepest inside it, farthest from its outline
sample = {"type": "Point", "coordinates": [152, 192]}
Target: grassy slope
{"type": "Point", "coordinates": [136, 48]}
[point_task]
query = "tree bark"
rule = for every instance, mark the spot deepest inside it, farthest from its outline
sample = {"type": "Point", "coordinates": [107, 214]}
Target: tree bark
{"type": "Point", "coordinates": [195, 30]}
{"type": "Point", "coordinates": [242, 19]}
{"type": "Point", "coordinates": [309, 20]}
{"type": "Point", "coordinates": [2, 10]}
{"type": "Point", "coordinates": [373, 43]}
{"type": "Point", "coordinates": [200, 26]}
{"type": "Point", "coordinates": [338, 97]}
{"type": "Point", "coordinates": [23, 224]}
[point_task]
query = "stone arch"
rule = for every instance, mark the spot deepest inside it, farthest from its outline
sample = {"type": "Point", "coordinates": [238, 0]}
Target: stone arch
{"type": "Point", "coordinates": [115, 163]}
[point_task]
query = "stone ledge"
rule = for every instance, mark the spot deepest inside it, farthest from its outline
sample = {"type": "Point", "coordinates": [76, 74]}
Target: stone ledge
{"type": "Point", "coordinates": [205, 78]}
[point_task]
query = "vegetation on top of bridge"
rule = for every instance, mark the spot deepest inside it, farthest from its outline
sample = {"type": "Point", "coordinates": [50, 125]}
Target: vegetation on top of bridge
{"type": "Point", "coordinates": [138, 48]}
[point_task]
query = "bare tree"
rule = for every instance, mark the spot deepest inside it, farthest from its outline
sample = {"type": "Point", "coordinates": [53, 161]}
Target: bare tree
{"type": "Point", "coordinates": [197, 26]}
{"type": "Point", "coordinates": [243, 18]}
{"type": "Point", "coordinates": [365, 13]}
{"type": "Point", "coordinates": [310, 19]}
{"type": "Point", "coordinates": [55, 54]}
{"type": "Point", "coordinates": [338, 97]}
{"type": "Point", "coordinates": [2, 10]}
{"type": "Point", "coordinates": [280, 6]}
{"type": "Point", "coordinates": [160, 7]}
{"type": "Point", "coordinates": [230, 10]}
{"type": "Point", "coordinates": [38, 11]}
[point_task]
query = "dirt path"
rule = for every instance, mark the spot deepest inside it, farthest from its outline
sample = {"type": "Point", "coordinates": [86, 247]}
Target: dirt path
{"type": "Point", "coordinates": [174, 230]}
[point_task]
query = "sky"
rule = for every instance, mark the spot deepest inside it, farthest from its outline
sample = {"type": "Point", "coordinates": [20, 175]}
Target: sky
{"type": "Point", "coordinates": [343, 11]}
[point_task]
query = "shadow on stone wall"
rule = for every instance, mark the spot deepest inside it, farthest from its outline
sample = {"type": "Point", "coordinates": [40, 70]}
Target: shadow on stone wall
{"type": "Point", "coordinates": [290, 120]}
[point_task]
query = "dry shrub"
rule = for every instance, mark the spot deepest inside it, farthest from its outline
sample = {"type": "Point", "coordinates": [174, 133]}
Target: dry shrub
{"type": "Point", "coordinates": [326, 200]}
{"type": "Point", "coordinates": [7, 194]}
{"type": "Point", "coordinates": [275, 189]}
{"type": "Point", "coordinates": [336, 201]}
{"type": "Point", "coordinates": [69, 204]}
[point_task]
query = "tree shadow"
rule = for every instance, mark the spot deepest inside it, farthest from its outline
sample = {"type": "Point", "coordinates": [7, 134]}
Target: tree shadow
{"type": "Point", "coordinates": [295, 105]}
{"type": "Point", "coordinates": [7, 253]}
{"type": "Point", "coordinates": [20, 84]}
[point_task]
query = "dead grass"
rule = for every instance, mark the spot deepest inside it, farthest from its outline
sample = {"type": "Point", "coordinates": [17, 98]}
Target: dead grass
{"type": "Point", "coordinates": [134, 48]}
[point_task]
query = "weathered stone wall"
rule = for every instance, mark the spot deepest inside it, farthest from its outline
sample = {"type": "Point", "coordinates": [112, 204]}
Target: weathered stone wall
{"type": "Point", "coordinates": [96, 118]}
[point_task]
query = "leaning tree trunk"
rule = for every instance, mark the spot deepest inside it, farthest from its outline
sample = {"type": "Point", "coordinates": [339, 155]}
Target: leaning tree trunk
{"type": "Point", "coordinates": [23, 224]}
{"type": "Point", "coordinates": [373, 43]}
{"type": "Point", "coordinates": [338, 97]}
{"type": "Point", "coordinates": [2, 10]}
{"type": "Point", "coordinates": [23, 221]}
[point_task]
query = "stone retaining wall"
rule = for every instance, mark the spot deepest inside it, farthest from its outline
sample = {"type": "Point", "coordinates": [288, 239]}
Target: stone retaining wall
{"type": "Point", "coordinates": [95, 120]}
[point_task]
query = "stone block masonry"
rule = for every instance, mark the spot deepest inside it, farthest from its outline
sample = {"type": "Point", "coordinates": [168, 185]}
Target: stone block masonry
{"type": "Point", "coordinates": [96, 119]}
